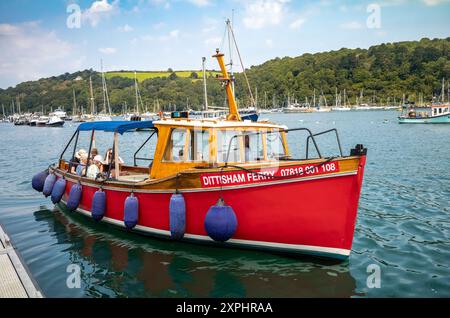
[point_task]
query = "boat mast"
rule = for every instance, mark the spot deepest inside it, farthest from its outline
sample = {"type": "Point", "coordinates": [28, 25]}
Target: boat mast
{"type": "Point", "coordinates": [205, 106]}
{"type": "Point", "coordinates": [229, 26]}
{"type": "Point", "coordinates": [92, 96]}
{"type": "Point", "coordinates": [314, 98]}
{"type": "Point", "coordinates": [265, 100]}
{"type": "Point", "coordinates": [252, 100]}
{"type": "Point", "coordinates": [136, 91]}
{"type": "Point", "coordinates": [74, 103]}
{"type": "Point", "coordinates": [443, 91]}
{"type": "Point", "coordinates": [18, 104]}
{"type": "Point", "coordinates": [105, 92]}
{"type": "Point", "coordinates": [234, 113]}
{"type": "Point", "coordinates": [345, 98]}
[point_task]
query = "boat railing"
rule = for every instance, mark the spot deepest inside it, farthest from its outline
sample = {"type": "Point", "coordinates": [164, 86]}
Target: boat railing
{"type": "Point", "coordinates": [135, 157]}
{"type": "Point", "coordinates": [311, 137]}
{"type": "Point", "coordinates": [324, 133]}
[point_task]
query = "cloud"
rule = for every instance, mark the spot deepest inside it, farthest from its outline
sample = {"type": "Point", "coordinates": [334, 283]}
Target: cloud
{"type": "Point", "coordinates": [269, 43]}
{"type": "Point", "coordinates": [107, 50]}
{"type": "Point", "coordinates": [29, 52]}
{"type": "Point", "coordinates": [297, 24]}
{"type": "Point", "coordinates": [100, 9]}
{"type": "Point", "coordinates": [213, 41]}
{"type": "Point", "coordinates": [434, 2]}
{"type": "Point", "coordinates": [352, 25]}
{"type": "Point", "coordinates": [125, 28]}
{"type": "Point", "coordinates": [159, 25]}
{"type": "Point", "coordinates": [200, 3]}
{"type": "Point", "coordinates": [174, 33]}
{"type": "Point", "coordinates": [262, 13]}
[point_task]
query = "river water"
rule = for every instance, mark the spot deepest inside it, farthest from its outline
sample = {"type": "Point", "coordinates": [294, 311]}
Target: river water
{"type": "Point", "coordinates": [403, 226]}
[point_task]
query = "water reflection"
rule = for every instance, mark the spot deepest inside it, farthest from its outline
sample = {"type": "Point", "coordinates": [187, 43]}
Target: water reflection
{"type": "Point", "coordinates": [118, 264]}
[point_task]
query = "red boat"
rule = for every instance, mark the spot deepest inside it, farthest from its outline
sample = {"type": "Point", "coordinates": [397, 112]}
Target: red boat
{"type": "Point", "coordinates": [229, 183]}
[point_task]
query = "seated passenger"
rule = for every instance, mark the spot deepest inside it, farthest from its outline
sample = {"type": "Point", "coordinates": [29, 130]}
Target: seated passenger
{"type": "Point", "coordinates": [96, 167]}
{"type": "Point", "coordinates": [94, 152]}
{"type": "Point", "coordinates": [81, 168]}
{"type": "Point", "coordinates": [74, 163]}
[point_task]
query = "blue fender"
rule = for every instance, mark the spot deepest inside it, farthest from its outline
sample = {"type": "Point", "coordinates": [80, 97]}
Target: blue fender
{"type": "Point", "coordinates": [58, 190]}
{"type": "Point", "coordinates": [38, 180]}
{"type": "Point", "coordinates": [98, 205]}
{"type": "Point", "coordinates": [221, 222]}
{"type": "Point", "coordinates": [48, 184]}
{"type": "Point", "coordinates": [75, 197]}
{"type": "Point", "coordinates": [131, 212]}
{"type": "Point", "coordinates": [177, 215]}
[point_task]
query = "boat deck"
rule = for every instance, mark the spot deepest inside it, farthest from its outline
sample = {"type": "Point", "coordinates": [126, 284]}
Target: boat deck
{"type": "Point", "coordinates": [15, 280]}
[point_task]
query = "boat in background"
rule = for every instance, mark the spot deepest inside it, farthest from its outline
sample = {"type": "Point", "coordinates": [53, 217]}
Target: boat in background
{"type": "Point", "coordinates": [42, 121]}
{"type": "Point", "coordinates": [59, 113]}
{"type": "Point", "coordinates": [439, 113]}
{"type": "Point", "coordinates": [55, 121]}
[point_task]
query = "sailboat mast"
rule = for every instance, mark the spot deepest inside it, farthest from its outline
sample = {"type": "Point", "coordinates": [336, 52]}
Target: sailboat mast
{"type": "Point", "coordinates": [229, 26]}
{"type": "Point", "coordinates": [74, 103]}
{"type": "Point", "coordinates": [205, 107]}
{"type": "Point", "coordinates": [336, 101]}
{"type": "Point", "coordinates": [18, 104]}
{"type": "Point", "coordinates": [105, 92]}
{"type": "Point", "coordinates": [443, 91]}
{"type": "Point", "coordinates": [314, 98]}
{"type": "Point", "coordinates": [136, 92]}
{"type": "Point", "coordinates": [92, 95]}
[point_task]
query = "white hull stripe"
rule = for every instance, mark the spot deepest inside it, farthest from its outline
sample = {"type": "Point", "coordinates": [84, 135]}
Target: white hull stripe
{"type": "Point", "coordinates": [262, 184]}
{"type": "Point", "coordinates": [294, 248]}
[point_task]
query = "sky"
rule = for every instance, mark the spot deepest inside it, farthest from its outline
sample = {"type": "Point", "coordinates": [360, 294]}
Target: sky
{"type": "Point", "coordinates": [48, 38]}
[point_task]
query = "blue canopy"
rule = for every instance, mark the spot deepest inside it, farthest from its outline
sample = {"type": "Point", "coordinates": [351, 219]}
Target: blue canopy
{"type": "Point", "coordinates": [115, 126]}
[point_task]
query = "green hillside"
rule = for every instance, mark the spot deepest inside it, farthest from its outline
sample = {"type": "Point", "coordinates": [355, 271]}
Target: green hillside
{"type": "Point", "coordinates": [142, 76]}
{"type": "Point", "coordinates": [382, 71]}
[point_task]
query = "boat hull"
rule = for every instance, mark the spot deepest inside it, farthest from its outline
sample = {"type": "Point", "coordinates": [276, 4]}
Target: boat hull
{"type": "Point", "coordinates": [443, 119]}
{"type": "Point", "coordinates": [314, 215]}
{"type": "Point", "coordinates": [57, 124]}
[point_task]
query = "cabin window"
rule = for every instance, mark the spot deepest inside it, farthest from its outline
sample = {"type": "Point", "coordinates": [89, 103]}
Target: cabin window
{"type": "Point", "coordinates": [440, 110]}
{"type": "Point", "coordinates": [176, 145]}
{"type": "Point", "coordinates": [199, 146]}
{"type": "Point", "coordinates": [253, 146]}
{"type": "Point", "coordinates": [226, 141]}
{"type": "Point", "coordinates": [275, 147]}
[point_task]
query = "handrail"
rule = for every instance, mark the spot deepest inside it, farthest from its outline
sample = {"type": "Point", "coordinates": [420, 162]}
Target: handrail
{"type": "Point", "coordinates": [323, 133]}
{"type": "Point", "coordinates": [140, 148]}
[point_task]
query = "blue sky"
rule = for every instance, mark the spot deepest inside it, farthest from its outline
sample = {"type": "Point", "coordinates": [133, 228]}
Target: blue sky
{"type": "Point", "coordinates": [35, 40]}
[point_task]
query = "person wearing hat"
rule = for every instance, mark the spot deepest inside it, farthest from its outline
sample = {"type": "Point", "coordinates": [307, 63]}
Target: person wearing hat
{"type": "Point", "coordinates": [81, 168]}
{"type": "Point", "coordinates": [76, 160]}
{"type": "Point", "coordinates": [96, 167]}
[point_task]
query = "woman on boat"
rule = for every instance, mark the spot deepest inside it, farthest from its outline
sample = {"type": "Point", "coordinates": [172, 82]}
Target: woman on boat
{"type": "Point", "coordinates": [96, 167]}
{"type": "Point", "coordinates": [74, 163]}
{"type": "Point", "coordinates": [81, 168]}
